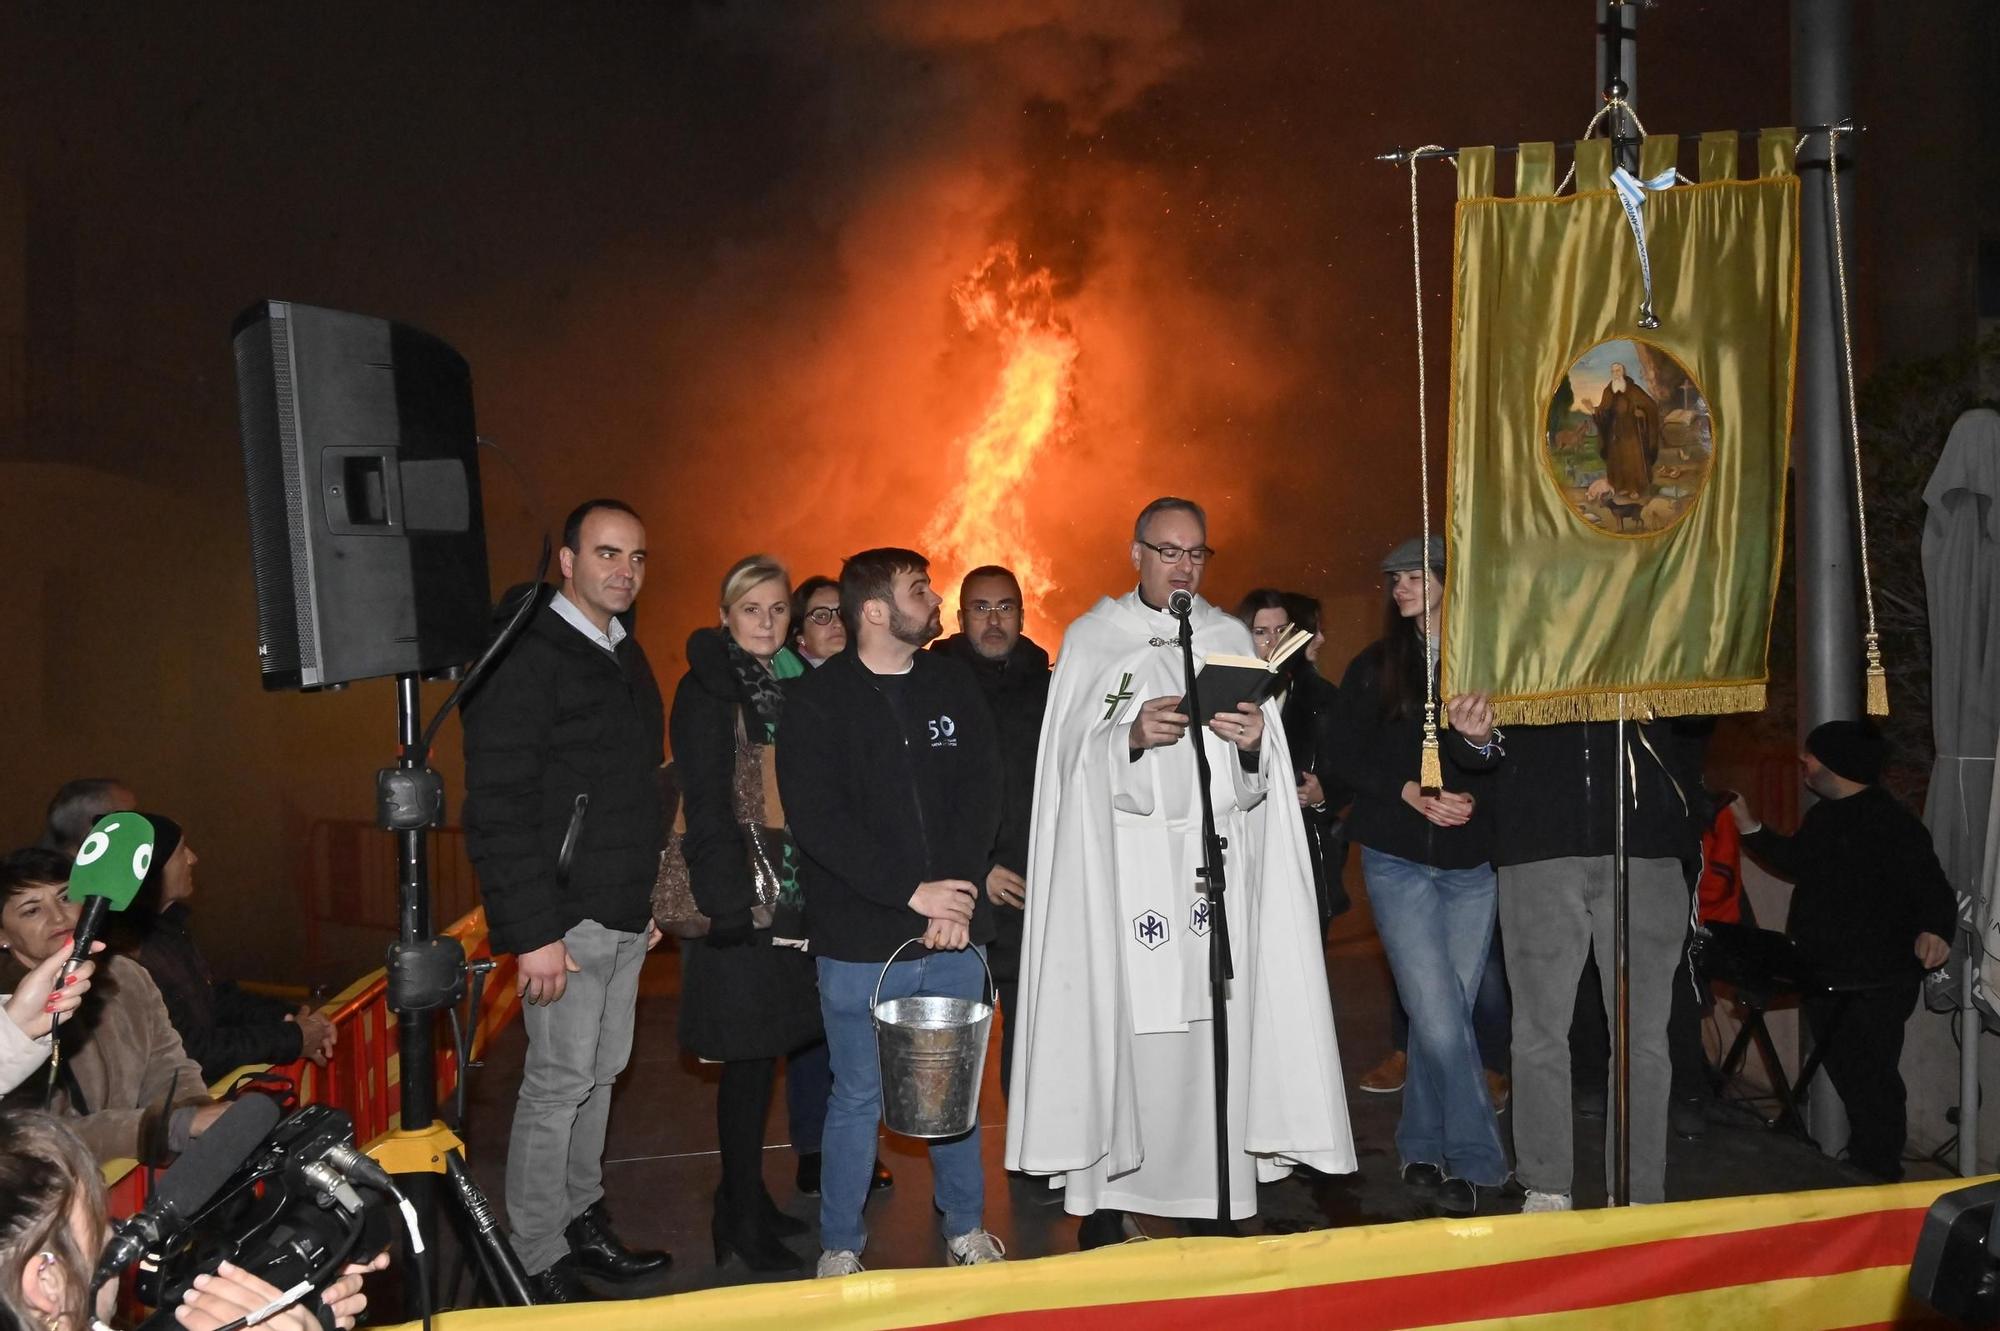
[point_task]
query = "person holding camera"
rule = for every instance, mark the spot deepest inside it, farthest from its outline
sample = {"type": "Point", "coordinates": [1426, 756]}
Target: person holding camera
{"type": "Point", "coordinates": [52, 1229]}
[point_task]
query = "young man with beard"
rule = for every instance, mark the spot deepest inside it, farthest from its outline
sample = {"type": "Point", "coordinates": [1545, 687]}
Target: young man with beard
{"type": "Point", "coordinates": [1113, 1068]}
{"type": "Point", "coordinates": [891, 784]}
{"type": "Point", "coordinates": [1014, 672]}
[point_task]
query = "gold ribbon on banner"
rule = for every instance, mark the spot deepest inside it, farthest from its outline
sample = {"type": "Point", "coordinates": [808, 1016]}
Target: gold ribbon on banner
{"type": "Point", "coordinates": [1616, 493]}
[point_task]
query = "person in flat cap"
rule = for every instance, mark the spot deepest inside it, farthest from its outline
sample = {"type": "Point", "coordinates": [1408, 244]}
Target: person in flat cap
{"type": "Point", "coordinates": [1426, 857]}
{"type": "Point", "coordinates": [222, 1027]}
{"type": "Point", "coordinates": [1873, 910]}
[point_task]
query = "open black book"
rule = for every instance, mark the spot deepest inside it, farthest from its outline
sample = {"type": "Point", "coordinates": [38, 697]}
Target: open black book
{"type": "Point", "coordinates": [1223, 681]}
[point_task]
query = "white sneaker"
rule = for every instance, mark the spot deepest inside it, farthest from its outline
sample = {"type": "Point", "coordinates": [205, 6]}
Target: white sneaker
{"type": "Point", "coordinates": [1545, 1201]}
{"type": "Point", "coordinates": [840, 1262]}
{"type": "Point", "coordinates": [975, 1249]}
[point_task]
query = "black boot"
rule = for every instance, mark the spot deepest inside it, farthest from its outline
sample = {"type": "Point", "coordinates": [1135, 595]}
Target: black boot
{"type": "Point", "coordinates": [750, 1238]}
{"type": "Point", "coordinates": [782, 1223]}
{"type": "Point", "coordinates": [882, 1178]}
{"type": "Point", "coordinates": [593, 1247]}
{"type": "Point", "coordinates": [807, 1179]}
{"type": "Point", "coordinates": [1100, 1229]}
{"type": "Point", "coordinates": [558, 1284]}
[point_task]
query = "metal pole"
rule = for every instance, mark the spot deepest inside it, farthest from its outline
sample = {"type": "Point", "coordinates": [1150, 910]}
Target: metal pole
{"type": "Point", "coordinates": [417, 1081]}
{"type": "Point", "coordinates": [1618, 58]}
{"type": "Point", "coordinates": [1621, 1024]}
{"type": "Point", "coordinates": [1829, 629]}
{"type": "Point", "coordinates": [1618, 61]}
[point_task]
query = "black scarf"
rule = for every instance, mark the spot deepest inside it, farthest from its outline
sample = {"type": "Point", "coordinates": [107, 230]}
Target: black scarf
{"type": "Point", "coordinates": [763, 697]}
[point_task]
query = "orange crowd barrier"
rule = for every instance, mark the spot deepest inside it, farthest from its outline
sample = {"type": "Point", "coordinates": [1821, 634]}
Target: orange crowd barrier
{"type": "Point", "coordinates": [363, 1077]}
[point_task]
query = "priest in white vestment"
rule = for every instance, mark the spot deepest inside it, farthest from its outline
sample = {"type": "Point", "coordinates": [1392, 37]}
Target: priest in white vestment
{"type": "Point", "coordinates": [1112, 1093]}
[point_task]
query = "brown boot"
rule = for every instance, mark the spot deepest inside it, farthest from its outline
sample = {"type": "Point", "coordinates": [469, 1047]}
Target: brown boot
{"type": "Point", "coordinates": [1387, 1077]}
{"type": "Point", "coordinates": [1499, 1088]}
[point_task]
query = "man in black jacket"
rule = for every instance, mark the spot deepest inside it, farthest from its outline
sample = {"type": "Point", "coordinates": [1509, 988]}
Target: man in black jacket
{"type": "Point", "coordinates": [1873, 911]}
{"type": "Point", "coordinates": [1552, 844]}
{"type": "Point", "coordinates": [1014, 672]}
{"type": "Point", "coordinates": [563, 744]}
{"type": "Point", "coordinates": [891, 782]}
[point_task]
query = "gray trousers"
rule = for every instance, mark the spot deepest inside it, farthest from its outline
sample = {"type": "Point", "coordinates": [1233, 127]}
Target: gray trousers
{"type": "Point", "coordinates": [1552, 913]}
{"type": "Point", "coordinates": [577, 1046]}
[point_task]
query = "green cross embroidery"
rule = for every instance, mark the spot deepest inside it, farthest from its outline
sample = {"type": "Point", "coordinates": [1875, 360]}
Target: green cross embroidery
{"type": "Point", "coordinates": [1111, 700]}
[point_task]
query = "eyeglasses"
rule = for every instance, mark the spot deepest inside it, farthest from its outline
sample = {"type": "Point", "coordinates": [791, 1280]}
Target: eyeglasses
{"type": "Point", "coordinates": [823, 615]}
{"type": "Point", "coordinates": [989, 609]}
{"type": "Point", "coordinates": [1171, 554]}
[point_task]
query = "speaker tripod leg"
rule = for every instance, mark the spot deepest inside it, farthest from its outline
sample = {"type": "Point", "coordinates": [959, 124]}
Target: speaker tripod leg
{"type": "Point", "coordinates": [505, 1279]}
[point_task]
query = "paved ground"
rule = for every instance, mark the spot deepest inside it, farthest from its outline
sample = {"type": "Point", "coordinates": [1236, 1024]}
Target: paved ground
{"type": "Point", "coordinates": [662, 1170]}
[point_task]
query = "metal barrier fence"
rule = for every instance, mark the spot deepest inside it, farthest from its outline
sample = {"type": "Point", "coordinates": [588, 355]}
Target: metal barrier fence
{"type": "Point", "coordinates": [363, 1077]}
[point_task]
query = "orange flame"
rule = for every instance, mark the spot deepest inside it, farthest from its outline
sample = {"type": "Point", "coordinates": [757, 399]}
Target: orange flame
{"type": "Point", "coordinates": [985, 521]}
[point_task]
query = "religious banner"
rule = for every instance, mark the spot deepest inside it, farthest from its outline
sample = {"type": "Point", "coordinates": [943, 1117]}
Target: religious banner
{"type": "Point", "coordinates": [1621, 392]}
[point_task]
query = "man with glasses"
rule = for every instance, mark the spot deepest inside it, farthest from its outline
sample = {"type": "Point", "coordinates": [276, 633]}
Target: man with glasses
{"type": "Point", "coordinates": [1111, 1087]}
{"type": "Point", "coordinates": [1014, 673]}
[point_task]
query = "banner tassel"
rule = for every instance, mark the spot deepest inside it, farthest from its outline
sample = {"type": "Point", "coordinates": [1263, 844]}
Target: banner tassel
{"type": "Point", "coordinates": [1878, 679]}
{"type": "Point", "coordinates": [1430, 771]}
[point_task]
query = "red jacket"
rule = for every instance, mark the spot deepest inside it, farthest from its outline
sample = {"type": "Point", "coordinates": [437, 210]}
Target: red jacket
{"type": "Point", "coordinates": [1719, 896]}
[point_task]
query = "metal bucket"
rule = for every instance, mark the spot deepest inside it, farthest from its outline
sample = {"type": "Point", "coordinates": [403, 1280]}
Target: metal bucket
{"type": "Point", "coordinates": [933, 1055]}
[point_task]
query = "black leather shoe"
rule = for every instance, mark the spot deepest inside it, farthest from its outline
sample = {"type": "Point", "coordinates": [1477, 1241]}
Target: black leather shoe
{"type": "Point", "coordinates": [1100, 1229]}
{"type": "Point", "coordinates": [1422, 1176]}
{"type": "Point", "coordinates": [1456, 1196]}
{"type": "Point", "coordinates": [558, 1284]}
{"type": "Point", "coordinates": [594, 1248]}
{"type": "Point", "coordinates": [749, 1240]}
{"type": "Point", "coordinates": [882, 1177]}
{"type": "Point", "coordinates": [807, 1179]}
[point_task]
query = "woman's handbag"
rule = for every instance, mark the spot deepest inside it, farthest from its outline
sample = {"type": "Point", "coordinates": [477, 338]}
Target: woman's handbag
{"type": "Point", "coordinates": [761, 817]}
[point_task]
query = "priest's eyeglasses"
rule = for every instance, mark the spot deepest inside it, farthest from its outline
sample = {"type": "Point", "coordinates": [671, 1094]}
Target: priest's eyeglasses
{"type": "Point", "coordinates": [994, 609]}
{"type": "Point", "coordinates": [823, 615]}
{"type": "Point", "coordinates": [1171, 554]}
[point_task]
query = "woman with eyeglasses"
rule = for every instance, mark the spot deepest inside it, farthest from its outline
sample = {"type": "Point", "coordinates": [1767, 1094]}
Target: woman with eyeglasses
{"type": "Point", "coordinates": [818, 634]}
{"type": "Point", "coordinates": [748, 994]}
{"type": "Point", "coordinates": [1426, 860]}
{"type": "Point", "coordinates": [817, 629]}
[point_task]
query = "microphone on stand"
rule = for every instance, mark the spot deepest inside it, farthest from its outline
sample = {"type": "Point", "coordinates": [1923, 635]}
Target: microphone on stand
{"type": "Point", "coordinates": [1181, 604]}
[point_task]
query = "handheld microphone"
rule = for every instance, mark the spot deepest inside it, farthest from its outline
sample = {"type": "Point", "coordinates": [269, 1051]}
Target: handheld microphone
{"type": "Point", "coordinates": [110, 865]}
{"type": "Point", "coordinates": [192, 1183]}
{"type": "Point", "coordinates": [1181, 604]}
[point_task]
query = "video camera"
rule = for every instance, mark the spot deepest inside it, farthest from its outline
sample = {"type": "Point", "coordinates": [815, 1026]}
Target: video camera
{"type": "Point", "coordinates": [302, 1202]}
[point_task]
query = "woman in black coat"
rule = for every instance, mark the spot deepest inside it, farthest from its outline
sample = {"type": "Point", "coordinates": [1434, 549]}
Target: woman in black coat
{"type": "Point", "coordinates": [748, 995]}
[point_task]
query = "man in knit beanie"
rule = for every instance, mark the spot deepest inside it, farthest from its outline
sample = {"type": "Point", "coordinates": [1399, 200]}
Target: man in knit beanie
{"type": "Point", "coordinates": [1873, 910]}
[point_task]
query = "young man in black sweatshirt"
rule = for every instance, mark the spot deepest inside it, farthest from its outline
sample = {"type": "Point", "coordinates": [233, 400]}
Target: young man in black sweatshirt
{"type": "Point", "coordinates": [890, 773]}
{"type": "Point", "coordinates": [1872, 908]}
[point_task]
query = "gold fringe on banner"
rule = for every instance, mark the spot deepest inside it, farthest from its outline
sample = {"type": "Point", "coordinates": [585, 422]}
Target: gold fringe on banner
{"type": "Point", "coordinates": [1640, 703]}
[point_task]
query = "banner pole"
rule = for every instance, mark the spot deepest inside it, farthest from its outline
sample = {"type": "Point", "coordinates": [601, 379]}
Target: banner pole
{"type": "Point", "coordinates": [1621, 1027]}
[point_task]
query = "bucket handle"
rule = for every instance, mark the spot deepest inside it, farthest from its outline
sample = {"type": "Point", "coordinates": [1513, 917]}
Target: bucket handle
{"type": "Point", "coordinates": [992, 994]}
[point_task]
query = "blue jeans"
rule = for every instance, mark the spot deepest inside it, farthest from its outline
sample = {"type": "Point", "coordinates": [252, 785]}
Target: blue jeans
{"type": "Point", "coordinates": [1492, 1014]}
{"type": "Point", "coordinates": [854, 1112]}
{"type": "Point", "coordinates": [1436, 925]}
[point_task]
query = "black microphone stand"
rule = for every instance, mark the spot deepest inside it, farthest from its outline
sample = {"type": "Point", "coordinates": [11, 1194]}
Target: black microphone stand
{"type": "Point", "coordinates": [1214, 884]}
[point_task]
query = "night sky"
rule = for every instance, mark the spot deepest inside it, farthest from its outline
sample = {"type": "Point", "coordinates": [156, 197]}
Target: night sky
{"type": "Point", "coordinates": [700, 256]}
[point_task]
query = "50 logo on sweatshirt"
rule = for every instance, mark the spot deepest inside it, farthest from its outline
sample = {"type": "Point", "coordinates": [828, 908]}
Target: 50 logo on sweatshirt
{"type": "Point", "coordinates": [944, 733]}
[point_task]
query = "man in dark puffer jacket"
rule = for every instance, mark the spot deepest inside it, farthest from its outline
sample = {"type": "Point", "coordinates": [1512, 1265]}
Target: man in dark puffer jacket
{"type": "Point", "coordinates": [563, 744]}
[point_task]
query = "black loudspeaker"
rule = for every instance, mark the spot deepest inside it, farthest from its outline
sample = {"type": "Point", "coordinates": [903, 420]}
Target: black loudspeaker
{"type": "Point", "coordinates": [366, 531]}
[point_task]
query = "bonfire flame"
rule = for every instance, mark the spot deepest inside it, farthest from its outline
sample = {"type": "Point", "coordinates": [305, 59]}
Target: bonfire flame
{"type": "Point", "coordinates": [985, 520]}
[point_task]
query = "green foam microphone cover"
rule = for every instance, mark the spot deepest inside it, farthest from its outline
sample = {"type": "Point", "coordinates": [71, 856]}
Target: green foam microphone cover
{"type": "Point", "coordinates": [113, 860]}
